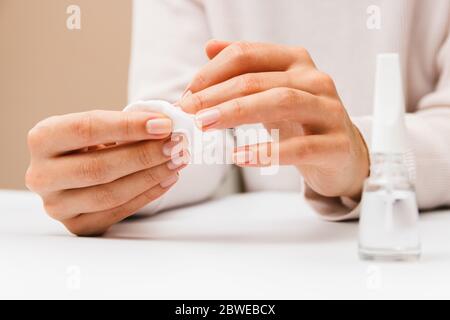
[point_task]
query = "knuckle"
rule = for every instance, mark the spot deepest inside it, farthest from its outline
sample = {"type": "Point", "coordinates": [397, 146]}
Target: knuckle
{"type": "Point", "coordinates": [324, 82]}
{"type": "Point", "coordinates": [303, 54]}
{"type": "Point", "coordinates": [52, 209]}
{"type": "Point", "coordinates": [293, 77]}
{"type": "Point", "coordinates": [337, 117]}
{"type": "Point", "coordinates": [199, 102]}
{"type": "Point", "coordinates": [287, 96]}
{"type": "Point", "coordinates": [144, 155]}
{"type": "Point", "coordinates": [30, 180]}
{"type": "Point", "coordinates": [106, 197]}
{"type": "Point", "coordinates": [303, 150]}
{"type": "Point", "coordinates": [338, 111]}
{"type": "Point", "coordinates": [238, 108]}
{"type": "Point", "coordinates": [126, 125]}
{"type": "Point", "coordinates": [325, 77]}
{"type": "Point", "coordinates": [241, 51]}
{"type": "Point", "coordinates": [345, 145]}
{"type": "Point", "coordinates": [200, 80]}
{"type": "Point", "coordinates": [151, 176]}
{"type": "Point", "coordinates": [301, 50]}
{"type": "Point", "coordinates": [34, 137]}
{"type": "Point", "coordinates": [34, 180]}
{"type": "Point", "coordinates": [37, 135]}
{"type": "Point", "coordinates": [248, 84]}
{"type": "Point", "coordinates": [153, 194]}
{"type": "Point", "coordinates": [83, 127]}
{"type": "Point", "coordinates": [93, 170]}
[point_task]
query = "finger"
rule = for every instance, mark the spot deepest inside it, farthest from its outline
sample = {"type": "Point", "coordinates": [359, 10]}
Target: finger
{"type": "Point", "coordinates": [96, 224]}
{"type": "Point", "coordinates": [60, 134]}
{"type": "Point", "coordinates": [233, 88]}
{"type": "Point", "coordinates": [278, 104]}
{"type": "Point", "coordinates": [107, 165]}
{"type": "Point", "coordinates": [242, 57]}
{"type": "Point", "coordinates": [311, 81]}
{"type": "Point", "coordinates": [296, 151]}
{"type": "Point", "coordinates": [69, 203]}
{"type": "Point", "coordinates": [214, 47]}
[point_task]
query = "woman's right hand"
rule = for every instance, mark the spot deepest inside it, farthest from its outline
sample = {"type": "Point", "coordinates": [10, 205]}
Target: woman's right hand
{"type": "Point", "coordinates": [96, 168]}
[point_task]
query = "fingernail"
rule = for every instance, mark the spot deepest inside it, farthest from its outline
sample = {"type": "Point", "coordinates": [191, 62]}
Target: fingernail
{"type": "Point", "coordinates": [159, 126]}
{"type": "Point", "coordinates": [243, 157]}
{"type": "Point", "coordinates": [186, 94]}
{"type": "Point", "coordinates": [169, 182]}
{"type": "Point", "coordinates": [180, 161]}
{"type": "Point", "coordinates": [170, 148]}
{"type": "Point", "coordinates": [207, 118]}
{"type": "Point", "coordinates": [178, 137]}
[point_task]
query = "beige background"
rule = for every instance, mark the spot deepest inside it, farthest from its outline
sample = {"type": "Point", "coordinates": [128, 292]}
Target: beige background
{"type": "Point", "coordinates": [46, 69]}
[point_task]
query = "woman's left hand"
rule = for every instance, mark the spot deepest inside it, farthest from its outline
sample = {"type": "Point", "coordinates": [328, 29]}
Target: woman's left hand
{"type": "Point", "coordinates": [280, 87]}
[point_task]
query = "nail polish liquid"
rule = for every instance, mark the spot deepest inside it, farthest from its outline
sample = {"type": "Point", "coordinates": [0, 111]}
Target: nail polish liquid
{"type": "Point", "coordinates": [389, 214]}
{"type": "Point", "coordinates": [388, 226]}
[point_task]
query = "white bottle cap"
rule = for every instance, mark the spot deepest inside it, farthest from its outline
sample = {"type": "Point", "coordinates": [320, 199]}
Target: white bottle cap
{"type": "Point", "coordinates": [388, 132]}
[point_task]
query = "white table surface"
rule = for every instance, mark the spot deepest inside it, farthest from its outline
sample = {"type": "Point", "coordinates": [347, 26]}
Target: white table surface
{"type": "Point", "coordinates": [253, 246]}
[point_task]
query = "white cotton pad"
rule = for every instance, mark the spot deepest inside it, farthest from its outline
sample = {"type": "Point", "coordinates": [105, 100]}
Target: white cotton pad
{"type": "Point", "coordinates": [205, 147]}
{"type": "Point", "coordinates": [182, 122]}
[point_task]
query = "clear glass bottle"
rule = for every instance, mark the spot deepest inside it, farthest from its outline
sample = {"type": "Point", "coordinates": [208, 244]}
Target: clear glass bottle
{"type": "Point", "coordinates": [389, 213]}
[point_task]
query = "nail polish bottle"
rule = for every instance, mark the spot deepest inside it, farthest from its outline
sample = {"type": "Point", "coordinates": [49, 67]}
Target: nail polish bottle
{"type": "Point", "coordinates": [388, 227]}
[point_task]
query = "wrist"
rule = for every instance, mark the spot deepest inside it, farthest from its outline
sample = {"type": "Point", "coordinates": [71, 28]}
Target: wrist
{"type": "Point", "coordinates": [362, 168]}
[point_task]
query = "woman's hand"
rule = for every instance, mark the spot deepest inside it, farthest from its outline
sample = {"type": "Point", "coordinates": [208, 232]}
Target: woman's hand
{"type": "Point", "coordinates": [281, 87]}
{"type": "Point", "coordinates": [94, 169]}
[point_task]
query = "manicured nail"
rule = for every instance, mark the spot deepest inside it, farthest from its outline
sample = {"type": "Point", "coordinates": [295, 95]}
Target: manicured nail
{"type": "Point", "coordinates": [169, 182]}
{"type": "Point", "coordinates": [243, 157]}
{"type": "Point", "coordinates": [159, 126]}
{"type": "Point", "coordinates": [168, 147]}
{"type": "Point", "coordinates": [207, 118]}
{"type": "Point", "coordinates": [180, 161]}
{"type": "Point", "coordinates": [178, 137]}
{"type": "Point", "coordinates": [172, 148]}
{"type": "Point", "coordinates": [186, 94]}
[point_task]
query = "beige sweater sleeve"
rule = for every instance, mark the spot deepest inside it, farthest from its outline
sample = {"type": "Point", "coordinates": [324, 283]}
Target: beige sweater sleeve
{"type": "Point", "coordinates": [429, 157]}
